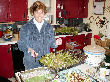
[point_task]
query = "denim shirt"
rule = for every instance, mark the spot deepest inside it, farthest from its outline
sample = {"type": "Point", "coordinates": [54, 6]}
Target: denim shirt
{"type": "Point", "coordinates": [40, 42]}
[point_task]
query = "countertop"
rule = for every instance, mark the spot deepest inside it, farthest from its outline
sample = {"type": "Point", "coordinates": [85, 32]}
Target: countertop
{"type": "Point", "coordinates": [13, 41]}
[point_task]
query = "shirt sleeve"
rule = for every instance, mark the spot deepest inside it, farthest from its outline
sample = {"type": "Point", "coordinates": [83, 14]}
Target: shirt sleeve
{"type": "Point", "coordinates": [23, 39]}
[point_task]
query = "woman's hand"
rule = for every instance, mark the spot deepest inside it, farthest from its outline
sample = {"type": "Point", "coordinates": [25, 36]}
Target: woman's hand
{"type": "Point", "coordinates": [33, 53]}
{"type": "Point", "coordinates": [58, 41]}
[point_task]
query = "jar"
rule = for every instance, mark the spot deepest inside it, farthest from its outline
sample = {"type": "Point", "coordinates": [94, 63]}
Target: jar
{"type": "Point", "coordinates": [102, 72]}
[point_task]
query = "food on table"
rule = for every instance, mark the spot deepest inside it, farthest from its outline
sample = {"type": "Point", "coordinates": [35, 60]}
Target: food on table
{"type": "Point", "coordinates": [74, 75]}
{"type": "Point", "coordinates": [40, 74]}
{"type": "Point", "coordinates": [66, 30]}
{"type": "Point", "coordinates": [60, 59]}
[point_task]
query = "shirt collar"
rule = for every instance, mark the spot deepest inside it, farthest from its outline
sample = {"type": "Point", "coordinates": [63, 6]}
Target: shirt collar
{"type": "Point", "coordinates": [37, 23]}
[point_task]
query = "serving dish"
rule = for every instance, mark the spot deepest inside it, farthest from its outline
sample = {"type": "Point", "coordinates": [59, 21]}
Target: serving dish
{"type": "Point", "coordinates": [63, 59]}
{"type": "Point", "coordinates": [40, 74]}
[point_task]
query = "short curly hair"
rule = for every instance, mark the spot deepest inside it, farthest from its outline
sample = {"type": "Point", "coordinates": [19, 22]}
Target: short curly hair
{"type": "Point", "coordinates": [37, 6]}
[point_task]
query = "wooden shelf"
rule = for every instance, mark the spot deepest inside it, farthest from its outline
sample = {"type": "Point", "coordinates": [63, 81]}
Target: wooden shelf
{"type": "Point", "coordinates": [8, 23]}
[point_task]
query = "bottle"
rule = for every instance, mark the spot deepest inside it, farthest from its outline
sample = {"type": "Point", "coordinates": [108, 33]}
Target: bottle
{"type": "Point", "coordinates": [108, 71]}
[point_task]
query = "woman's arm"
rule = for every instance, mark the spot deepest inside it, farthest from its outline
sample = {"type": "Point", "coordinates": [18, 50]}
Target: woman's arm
{"type": "Point", "coordinates": [23, 38]}
{"type": "Point", "coordinates": [52, 38]}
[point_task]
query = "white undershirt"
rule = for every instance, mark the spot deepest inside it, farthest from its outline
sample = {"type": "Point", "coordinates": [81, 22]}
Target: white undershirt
{"type": "Point", "coordinates": [38, 25]}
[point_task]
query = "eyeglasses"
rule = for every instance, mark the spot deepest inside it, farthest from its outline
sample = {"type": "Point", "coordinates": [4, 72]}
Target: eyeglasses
{"type": "Point", "coordinates": [39, 12]}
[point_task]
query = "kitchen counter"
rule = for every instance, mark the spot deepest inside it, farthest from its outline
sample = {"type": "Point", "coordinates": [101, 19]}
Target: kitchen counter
{"type": "Point", "coordinates": [83, 32]}
{"type": "Point", "coordinates": [13, 41]}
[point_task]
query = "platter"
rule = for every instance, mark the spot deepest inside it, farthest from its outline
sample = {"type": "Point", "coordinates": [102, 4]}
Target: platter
{"type": "Point", "coordinates": [62, 60]}
{"type": "Point", "coordinates": [40, 74]}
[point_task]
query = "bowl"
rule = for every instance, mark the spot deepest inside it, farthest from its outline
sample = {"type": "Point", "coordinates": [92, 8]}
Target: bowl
{"type": "Point", "coordinates": [7, 38]}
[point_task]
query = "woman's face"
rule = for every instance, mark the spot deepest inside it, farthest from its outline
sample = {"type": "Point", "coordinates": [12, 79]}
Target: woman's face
{"type": "Point", "coordinates": [39, 15]}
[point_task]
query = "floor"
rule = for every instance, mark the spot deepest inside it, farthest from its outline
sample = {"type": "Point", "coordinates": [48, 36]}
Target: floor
{"type": "Point", "coordinates": [12, 79]}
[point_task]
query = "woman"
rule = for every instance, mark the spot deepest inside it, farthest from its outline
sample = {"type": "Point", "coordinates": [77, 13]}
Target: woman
{"type": "Point", "coordinates": [36, 37]}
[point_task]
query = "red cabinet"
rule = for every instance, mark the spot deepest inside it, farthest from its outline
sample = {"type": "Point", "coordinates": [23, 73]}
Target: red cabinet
{"type": "Point", "coordinates": [63, 46]}
{"type": "Point", "coordinates": [6, 64]}
{"type": "Point", "coordinates": [83, 9]}
{"type": "Point", "coordinates": [82, 39]}
{"type": "Point", "coordinates": [4, 11]}
{"type": "Point", "coordinates": [73, 8]}
{"type": "Point", "coordinates": [18, 10]}
{"type": "Point", "coordinates": [88, 39]}
{"type": "Point", "coordinates": [13, 10]}
{"type": "Point", "coordinates": [60, 9]}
